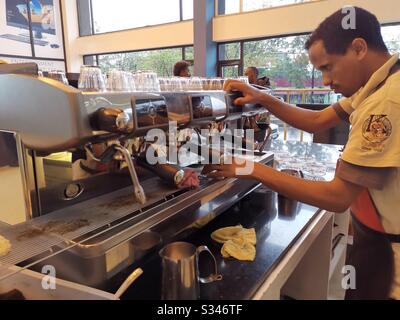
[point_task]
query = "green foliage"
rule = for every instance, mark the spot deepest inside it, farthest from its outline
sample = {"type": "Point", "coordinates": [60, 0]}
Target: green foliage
{"type": "Point", "coordinates": [230, 71]}
{"type": "Point", "coordinates": [160, 61]}
{"type": "Point", "coordinates": [283, 60]}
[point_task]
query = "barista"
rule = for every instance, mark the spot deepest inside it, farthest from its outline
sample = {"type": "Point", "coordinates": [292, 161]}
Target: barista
{"type": "Point", "coordinates": [357, 64]}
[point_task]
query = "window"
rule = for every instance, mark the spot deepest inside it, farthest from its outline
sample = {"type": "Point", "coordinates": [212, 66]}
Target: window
{"type": "Point", "coordinates": [188, 54]}
{"type": "Point", "coordinates": [161, 60]}
{"type": "Point", "coordinates": [391, 36]}
{"type": "Point", "coordinates": [229, 51]}
{"type": "Point", "coordinates": [230, 59]}
{"type": "Point", "coordinates": [187, 9]}
{"type": "Point", "coordinates": [236, 6]}
{"type": "Point", "coordinates": [228, 7]}
{"type": "Point", "coordinates": [286, 63]}
{"type": "Point", "coordinates": [118, 15]}
{"type": "Point", "coordinates": [251, 5]}
{"type": "Point", "coordinates": [283, 60]}
{"type": "Point", "coordinates": [229, 71]}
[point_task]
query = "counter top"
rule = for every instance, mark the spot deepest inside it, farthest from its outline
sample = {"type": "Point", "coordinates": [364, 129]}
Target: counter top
{"type": "Point", "coordinates": [316, 160]}
{"type": "Point", "coordinates": [276, 234]}
{"type": "Point", "coordinates": [241, 279]}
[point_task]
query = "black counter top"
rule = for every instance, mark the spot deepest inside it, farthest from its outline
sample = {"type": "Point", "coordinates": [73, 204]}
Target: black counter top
{"type": "Point", "coordinates": [276, 233]}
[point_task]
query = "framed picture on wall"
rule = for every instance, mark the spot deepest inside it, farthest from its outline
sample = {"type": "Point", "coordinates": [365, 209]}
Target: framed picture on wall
{"type": "Point", "coordinates": [14, 28]}
{"type": "Point", "coordinates": [47, 28]}
{"type": "Point", "coordinates": [31, 28]}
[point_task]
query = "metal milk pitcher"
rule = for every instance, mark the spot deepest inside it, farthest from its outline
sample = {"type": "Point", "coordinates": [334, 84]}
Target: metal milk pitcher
{"type": "Point", "coordinates": [180, 271]}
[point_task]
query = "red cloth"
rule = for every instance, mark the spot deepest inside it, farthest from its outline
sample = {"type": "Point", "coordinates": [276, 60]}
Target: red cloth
{"type": "Point", "coordinates": [190, 179]}
{"type": "Point", "coordinates": [364, 210]}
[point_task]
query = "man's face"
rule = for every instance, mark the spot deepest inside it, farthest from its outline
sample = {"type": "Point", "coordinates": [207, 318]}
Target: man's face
{"type": "Point", "coordinates": [251, 75]}
{"type": "Point", "coordinates": [185, 73]}
{"type": "Point", "coordinates": [343, 73]}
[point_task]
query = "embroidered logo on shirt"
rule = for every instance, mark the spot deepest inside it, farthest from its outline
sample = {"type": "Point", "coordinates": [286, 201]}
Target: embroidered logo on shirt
{"type": "Point", "coordinates": [376, 129]}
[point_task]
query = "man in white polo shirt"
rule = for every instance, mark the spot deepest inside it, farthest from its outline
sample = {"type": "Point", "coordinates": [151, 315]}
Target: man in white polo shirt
{"type": "Point", "coordinates": [356, 63]}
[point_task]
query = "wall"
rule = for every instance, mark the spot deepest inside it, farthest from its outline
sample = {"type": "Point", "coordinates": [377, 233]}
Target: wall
{"type": "Point", "coordinates": [167, 35]}
{"type": "Point", "coordinates": [257, 24]}
{"type": "Point", "coordinates": [292, 19]}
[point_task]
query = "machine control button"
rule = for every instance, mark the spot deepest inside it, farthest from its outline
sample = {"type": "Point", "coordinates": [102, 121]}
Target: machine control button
{"type": "Point", "coordinates": [73, 190]}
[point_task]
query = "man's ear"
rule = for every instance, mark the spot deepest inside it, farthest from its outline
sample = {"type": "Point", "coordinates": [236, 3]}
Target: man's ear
{"type": "Point", "coordinates": [360, 47]}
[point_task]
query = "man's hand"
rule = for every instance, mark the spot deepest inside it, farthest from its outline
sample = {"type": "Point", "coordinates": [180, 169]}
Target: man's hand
{"type": "Point", "coordinates": [250, 94]}
{"type": "Point", "coordinates": [232, 167]}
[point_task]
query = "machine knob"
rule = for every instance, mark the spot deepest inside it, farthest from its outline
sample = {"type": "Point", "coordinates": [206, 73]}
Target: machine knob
{"type": "Point", "coordinates": [112, 120]}
{"type": "Point", "coordinates": [124, 121]}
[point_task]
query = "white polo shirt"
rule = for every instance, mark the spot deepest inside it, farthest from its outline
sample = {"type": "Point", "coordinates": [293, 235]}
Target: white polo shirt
{"type": "Point", "coordinates": [372, 154]}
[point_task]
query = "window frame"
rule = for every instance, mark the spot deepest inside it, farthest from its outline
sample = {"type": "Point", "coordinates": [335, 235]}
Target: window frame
{"type": "Point", "coordinates": [230, 62]}
{"type": "Point", "coordinates": [267, 8]}
{"type": "Point", "coordinates": [241, 44]}
{"type": "Point", "coordinates": [96, 55]}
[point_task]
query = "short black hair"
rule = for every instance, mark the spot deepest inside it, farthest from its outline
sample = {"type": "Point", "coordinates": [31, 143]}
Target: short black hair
{"type": "Point", "coordinates": [337, 39]}
{"type": "Point", "coordinates": [180, 66]}
{"type": "Point", "coordinates": [254, 69]}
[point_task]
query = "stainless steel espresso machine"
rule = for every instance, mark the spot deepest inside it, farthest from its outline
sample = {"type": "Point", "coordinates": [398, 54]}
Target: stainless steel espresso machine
{"type": "Point", "coordinates": [77, 191]}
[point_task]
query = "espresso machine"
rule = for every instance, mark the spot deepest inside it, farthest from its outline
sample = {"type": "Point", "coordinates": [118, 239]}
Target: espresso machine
{"type": "Point", "coordinates": [84, 199]}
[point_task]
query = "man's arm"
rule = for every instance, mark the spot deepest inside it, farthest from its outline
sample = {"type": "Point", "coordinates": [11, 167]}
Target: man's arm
{"type": "Point", "coordinates": [336, 195]}
{"type": "Point", "coordinates": [307, 120]}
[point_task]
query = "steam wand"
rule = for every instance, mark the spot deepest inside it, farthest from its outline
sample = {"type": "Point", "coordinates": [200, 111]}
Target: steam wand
{"type": "Point", "coordinates": [115, 150]}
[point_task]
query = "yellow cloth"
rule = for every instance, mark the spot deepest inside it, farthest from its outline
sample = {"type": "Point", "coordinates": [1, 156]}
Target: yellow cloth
{"type": "Point", "coordinates": [203, 221]}
{"type": "Point", "coordinates": [3, 62]}
{"type": "Point", "coordinates": [238, 242]}
{"type": "Point", "coordinates": [239, 249]}
{"type": "Point", "coordinates": [5, 246]}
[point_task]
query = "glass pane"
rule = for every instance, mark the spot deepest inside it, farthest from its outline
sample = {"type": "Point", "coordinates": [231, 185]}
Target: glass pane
{"type": "Point", "coordinates": [228, 6]}
{"type": "Point", "coordinates": [391, 36]}
{"type": "Point", "coordinates": [283, 60]}
{"type": "Point", "coordinates": [89, 60]}
{"type": "Point", "coordinates": [191, 69]}
{"type": "Point", "coordinates": [189, 54]}
{"type": "Point", "coordinates": [230, 71]}
{"type": "Point", "coordinates": [187, 9]}
{"type": "Point", "coordinates": [229, 51]}
{"type": "Point", "coordinates": [126, 14]}
{"type": "Point", "coordinates": [161, 61]}
{"type": "Point", "coordinates": [250, 5]}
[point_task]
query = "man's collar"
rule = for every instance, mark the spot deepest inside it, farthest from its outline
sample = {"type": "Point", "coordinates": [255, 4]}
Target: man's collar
{"type": "Point", "coordinates": [376, 79]}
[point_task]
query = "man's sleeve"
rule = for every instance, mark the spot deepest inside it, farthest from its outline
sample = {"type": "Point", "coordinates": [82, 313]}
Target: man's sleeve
{"type": "Point", "coordinates": [369, 177]}
{"type": "Point", "coordinates": [342, 114]}
{"type": "Point", "coordinates": [374, 139]}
